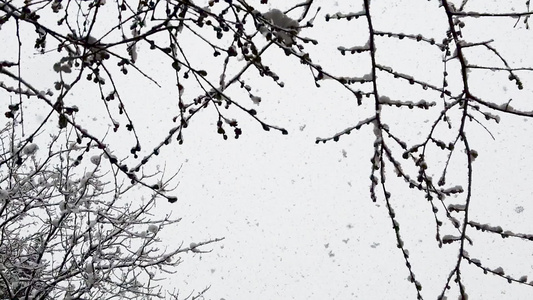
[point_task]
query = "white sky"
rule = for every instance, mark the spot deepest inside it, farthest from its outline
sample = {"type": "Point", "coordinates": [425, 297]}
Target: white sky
{"type": "Point", "coordinates": [297, 219]}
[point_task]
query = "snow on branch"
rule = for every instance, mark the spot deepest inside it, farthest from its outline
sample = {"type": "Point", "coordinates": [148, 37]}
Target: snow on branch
{"type": "Point", "coordinates": [283, 27]}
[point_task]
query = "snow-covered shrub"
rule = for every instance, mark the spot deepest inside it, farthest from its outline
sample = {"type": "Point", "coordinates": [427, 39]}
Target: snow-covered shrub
{"type": "Point", "coordinates": [77, 231]}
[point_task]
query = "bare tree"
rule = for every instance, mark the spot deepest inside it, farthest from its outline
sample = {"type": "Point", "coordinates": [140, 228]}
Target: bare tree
{"type": "Point", "coordinates": [425, 163]}
{"type": "Point", "coordinates": [84, 45]}
{"type": "Point", "coordinates": [68, 230]}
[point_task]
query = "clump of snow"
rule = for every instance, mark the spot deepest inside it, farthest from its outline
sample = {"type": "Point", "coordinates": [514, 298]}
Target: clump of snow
{"type": "Point", "coordinates": [453, 190]}
{"type": "Point", "coordinates": [31, 149]}
{"type": "Point", "coordinates": [132, 51]}
{"type": "Point", "coordinates": [95, 159]}
{"type": "Point", "coordinates": [508, 233]}
{"type": "Point", "coordinates": [287, 26]}
{"type": "Point", "coordinates": [348, 16]}
{"type": "Point", "coordinates": [255, 99]}
{"type": "Point", "coordinates": [63, 206]}
{"type": "Point", "coordinates": [354, 49]}
{"type": "Point", "coordinates": [499, 271]}
{"type": "Point", "coordinates": [448, 239]}
{"type": "Point", "coordinates": [473, 154]}
{"type": "Point", "coordinates": [492, 116]}
{"type": "Point", "coordinates": [153, 228]}
{"type": "Point", "coordinates": [497, 229]}
{"type": "Point", "coordinates": [193, 247]}
{"type": "Point", "coordinates": [89, 266]}
{"type": "Point", "coordinates": [457, 207]}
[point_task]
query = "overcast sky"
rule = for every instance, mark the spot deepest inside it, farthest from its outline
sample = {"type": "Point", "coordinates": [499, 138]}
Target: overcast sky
{"type": "Point", "coordinates": [297, 217]}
